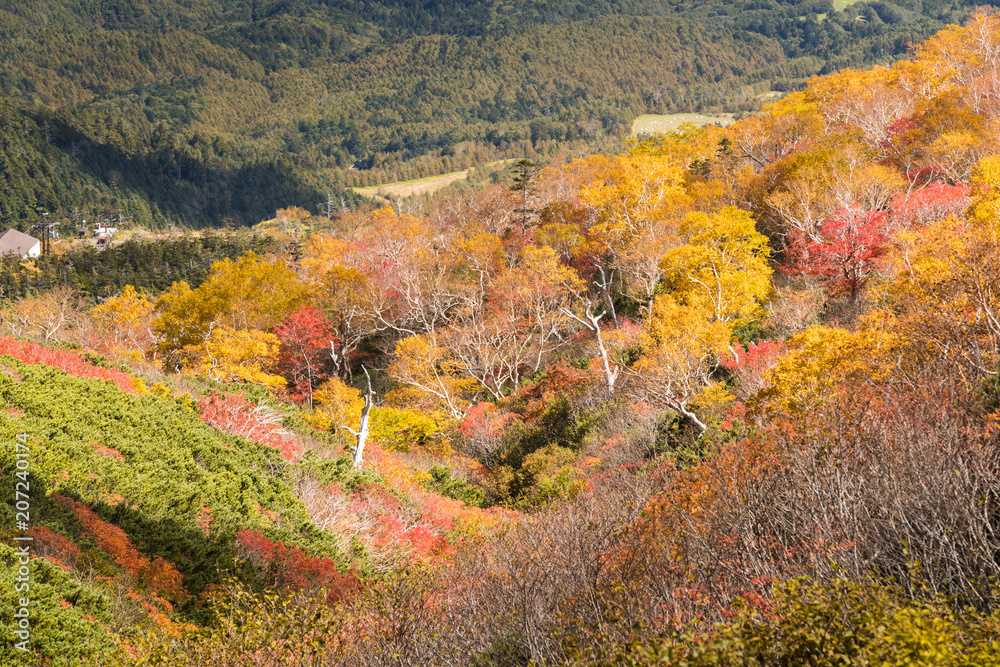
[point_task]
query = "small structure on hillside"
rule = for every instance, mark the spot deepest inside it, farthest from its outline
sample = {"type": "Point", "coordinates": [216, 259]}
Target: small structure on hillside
{"type": "Point", "coordinates": [104, 229]}
{"type": "Point", "coordinates": [13, 242]}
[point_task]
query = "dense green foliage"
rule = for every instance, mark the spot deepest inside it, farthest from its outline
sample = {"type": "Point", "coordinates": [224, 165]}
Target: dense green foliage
{"type": "Point", "coordinates": [69, 620]}
{"type": "Point", "coordinates": [84, 165]}
{"type": "Point", "coordinates": [151, 266]}
{"type": "Point", "coordinates": [200, 114]}
{"type": "Point", "coordinates": [443, 483]}
{"type": "Point", "coordinates": [179, 488]}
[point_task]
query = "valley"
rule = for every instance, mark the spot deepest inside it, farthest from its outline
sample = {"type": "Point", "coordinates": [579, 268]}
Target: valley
{"type": "Point", "coordinates": [356, 333]}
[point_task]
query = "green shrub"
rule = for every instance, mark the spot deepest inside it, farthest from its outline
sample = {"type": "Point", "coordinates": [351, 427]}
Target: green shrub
{"type": "Point", "coordinates": [835, 624]}
{"type": "Point", "coordinates": [68, 620]}
{"type": "Point", "coordinates": [444, 484]}
{"type": "Point", "coordinates": [178, 488]}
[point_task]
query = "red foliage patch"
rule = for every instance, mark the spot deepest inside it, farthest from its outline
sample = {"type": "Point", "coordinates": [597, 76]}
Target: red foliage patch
{"type": "Point", "coordinates": [935, 202]}
{"type": "Point", "coordinates": [750, 365]}
{"type": "Point", "coordinates": [65, 360]}
{"type": "Point", "coordinates": [157, 574]}
{"type": "Point", "coordinates": [107, 451]}
{"type": "Point", "coordinates": [232, 414]}
{"type": "Point", "coordinates": [484, 421]}
{"type": "Point", "coordinates": [290, 567]}
{"type": "Point", "coordinates": [845, 254]}
{"type": "Point", "coordinates": [560, 380]}
{"type": "Point", "coordinates": [305, 361]}
{"type": "Point", "coordinates": [54, 546]}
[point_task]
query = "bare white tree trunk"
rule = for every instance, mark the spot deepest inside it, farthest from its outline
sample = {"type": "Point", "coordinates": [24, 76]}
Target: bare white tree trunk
{"type": "Point", "coordinates": [362, 433]}
{"type": "Point", "coordinates": [593, 322]}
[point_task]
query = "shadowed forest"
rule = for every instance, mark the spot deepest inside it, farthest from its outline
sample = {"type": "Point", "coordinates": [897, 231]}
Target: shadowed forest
{"type": "Point", "coordinates": [213, 114]}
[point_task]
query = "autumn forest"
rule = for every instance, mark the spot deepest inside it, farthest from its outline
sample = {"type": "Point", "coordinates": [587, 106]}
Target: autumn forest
{"type": "Point", "coordinates": [729, 396]}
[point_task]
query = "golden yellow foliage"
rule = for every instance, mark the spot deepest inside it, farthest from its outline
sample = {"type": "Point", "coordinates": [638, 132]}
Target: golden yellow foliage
{"type": "Point", "coordinates": [947, 289]}
{"type": "Point", "coordinates": [824, 360]}
{"type": "Point", "coordinates": [238, 356]}
{"type": "Point", "coordinates": [635, 192]}
{"type": "Point", "coordinates": [985, 209]}
{"type": "Point", "coordinates": [783, 129]}
{"type": "Point", "coordinates": [431, 379]}
{"type": "Point", "coordinates": [252, 293]}
{"type": "Point", "coordinates": [868, 101]}
{"type": "Point", "coordinates": [339, 405]}
{"type": "Point", "coordinates": [722, 269]}
{"type": "Point", "coordinates": [401, 429]}
{"type": "Point", "coordinates": [683, 342]}
{"type": "Point", "coordinates": [124, 321]}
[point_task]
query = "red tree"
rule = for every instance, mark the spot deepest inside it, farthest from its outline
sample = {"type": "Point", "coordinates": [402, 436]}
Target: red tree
{"type": "Point", "coordinates": [935, 202]}
{"type": "Point", "coordinates": [750, 366]}
{"type": "Point", "coordinates": [305, 360]}
{"type": "Point", "coordinates": [850, 241]}
{"type": "Point", "coordinates": [290, 568]}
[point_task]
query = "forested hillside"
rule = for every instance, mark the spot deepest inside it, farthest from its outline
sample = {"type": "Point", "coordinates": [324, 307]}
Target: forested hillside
{"type": "Point", "coordinates": [731, 397]}
{"type": "Point", "coordinates": [208, 114]}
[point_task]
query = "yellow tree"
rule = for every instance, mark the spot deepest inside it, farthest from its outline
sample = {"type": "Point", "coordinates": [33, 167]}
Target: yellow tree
{"type": "Point", "coordinates": [965, 60]}
{"type": "Point", "coordinates": [835, 177]}
{"type": "Point", "coordinates": [46, 317]}
{"type": "Point", "coordinates": [340, 405]}
{"type": "Point", "coordinates": [867, 100]}
{"type": "Point", "coordinates": [947, 285]}
{"type": "Point", "coordinates": [240, 356]}
{"type": "Point", "coordinates": [682, 347]}
{"type": "Point", "coordinates": [478, 258]}
{"type": "Point", "coordinates": [344, 292]}
{"type": "Point", "coordinates": [784, 128]}
{"type": "Point", "coordinates": [717, 280]}
{"type": "Point", "coordinates": [822, 359]}
{"type": "Point", "coordinates": [722, 268]}
{"type": "Point", "coordinates": [947, 138]}
{"type": "Point", "coordinates": [124, 322]}
{"type": "Point", "coordinates": [250, 294]}
{"type": "Point", "coordinates": [634, 193]}
{"type": "Point", "coordinates": [639, 201]}
{"type": "Point", "coordinates": [431, 379]}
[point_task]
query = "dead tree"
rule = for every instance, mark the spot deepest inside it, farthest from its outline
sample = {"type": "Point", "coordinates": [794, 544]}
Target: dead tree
{"type": "Point", "coordinates": [362, 433]}
{"type": "Point", "coordinates": [593, 322]}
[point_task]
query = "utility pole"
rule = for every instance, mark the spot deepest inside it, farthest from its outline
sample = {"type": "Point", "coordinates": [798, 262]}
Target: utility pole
{"type": "Point", "coordinates": [44, 225]}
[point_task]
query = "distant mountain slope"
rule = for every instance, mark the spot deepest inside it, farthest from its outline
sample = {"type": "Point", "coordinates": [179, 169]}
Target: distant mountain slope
{"type": "Point", "coordinates": [201, 113]}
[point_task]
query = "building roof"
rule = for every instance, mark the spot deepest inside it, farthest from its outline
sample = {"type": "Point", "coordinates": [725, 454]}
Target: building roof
{"type": "Point", "coordinates": [13, 241]}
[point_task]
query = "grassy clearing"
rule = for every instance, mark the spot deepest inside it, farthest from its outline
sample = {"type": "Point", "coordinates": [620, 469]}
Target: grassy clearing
{"type": "Point", "coordinates": [770, 96]}
{"type": "Point", "coordinates": [654, 124]}
{"type": "Point", "coordinates": [419, 186]}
